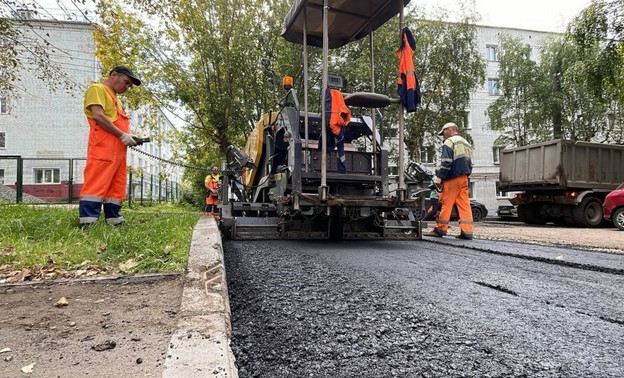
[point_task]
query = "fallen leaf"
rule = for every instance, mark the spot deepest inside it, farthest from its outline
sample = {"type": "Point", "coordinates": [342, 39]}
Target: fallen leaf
{"type": "Point", "coordinates": [8, 251]}
{"type": "Point", "coordinates": [127, 266]}
{"type": "Point", "coordinates": [101, 248]}
{"type": "Point", "coordinates": [80, 272]}
{"type": "Point", "coordinates": [28, 368]}
{"type": "Point", "coordinates": [5, 350]}
{"type": "Point", "coordinates": [22, 275]}
{"type": "Point", "coordinates": [62, 302]}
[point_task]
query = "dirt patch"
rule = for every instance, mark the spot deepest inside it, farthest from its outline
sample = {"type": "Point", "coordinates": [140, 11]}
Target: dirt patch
{"type": "Point", "coordinates": [109, 328]}
{"type": "Point", "coordinates": [595, 239]}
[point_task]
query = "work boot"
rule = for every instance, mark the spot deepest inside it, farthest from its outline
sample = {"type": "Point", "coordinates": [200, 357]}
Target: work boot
{"type": "Point", "coordinates": [436, 233]}
{"type": "Point", "coordinates": [464, 236]}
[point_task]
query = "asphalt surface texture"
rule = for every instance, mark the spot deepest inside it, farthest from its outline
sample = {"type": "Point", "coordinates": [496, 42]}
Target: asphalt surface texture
{"type": "Point", "coordinates": [431, 308]}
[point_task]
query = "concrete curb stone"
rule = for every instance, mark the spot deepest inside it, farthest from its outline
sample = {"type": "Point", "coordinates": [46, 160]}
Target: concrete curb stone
{"type": "Point", "coordinates": [200, 346]}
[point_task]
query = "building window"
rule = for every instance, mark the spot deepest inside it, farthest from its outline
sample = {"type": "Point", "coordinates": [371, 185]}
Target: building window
{"type": "Point", "coordinates": [47, 176]}
{"type": "Point", "coordinates": [428, 154]}
{"type": "Point", "coordinates": [2, 139]}
{"type": "Point", "coordinates": [463, 123]}
{"type": "Point", "coordinates": [496, 154]}
{"type": "Point", "coordinates": [493, 87]}
{"type": "Point", "coordinates": [1, 176]}
{"type": "Point", "coordinates": [491, 53]}
{"type": "Point", "coordinates": [4, 107]}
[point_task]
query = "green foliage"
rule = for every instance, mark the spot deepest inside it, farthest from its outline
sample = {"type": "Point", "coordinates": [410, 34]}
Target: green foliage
{"type": "Point", "coordinates": [446, 82]}
{"type": "Point", "coordinates": [450, 66]}
{"type": "Point", "coordinates": [157, 239]}
{"type": "Point", "coordinates": [203, 56]}
{"type": "Point", "coordinates": [576, 92]}
{"type": "Point", "coordinates": [518, 113]}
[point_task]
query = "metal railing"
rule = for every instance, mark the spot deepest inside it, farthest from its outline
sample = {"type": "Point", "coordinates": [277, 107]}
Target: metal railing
{"type": "Point", "coordinates": [59, 180]}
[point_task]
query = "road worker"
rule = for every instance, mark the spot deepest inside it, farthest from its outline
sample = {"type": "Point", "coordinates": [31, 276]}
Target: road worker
{"type": "Point", "coordinates": [109, 138]}
{"type": "Point", "coordinates": [212, 192]}
{"type": "Point", "coordinates": [455, 167]}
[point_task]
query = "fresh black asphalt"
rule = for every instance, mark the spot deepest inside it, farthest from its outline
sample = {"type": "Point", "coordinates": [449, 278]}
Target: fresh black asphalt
{"type": "Point", "coordinates": [433, 308]}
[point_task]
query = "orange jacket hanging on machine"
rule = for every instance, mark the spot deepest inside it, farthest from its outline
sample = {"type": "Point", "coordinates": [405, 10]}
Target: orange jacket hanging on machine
{"type": "Point", "coordinates": [409, 88]}
{"type": "Point", "coordinates": [337, 113]}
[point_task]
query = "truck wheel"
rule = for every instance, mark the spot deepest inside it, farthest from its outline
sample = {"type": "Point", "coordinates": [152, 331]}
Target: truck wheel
{"type": "Point", "coordinates": [588, 213]}
{"type": "Point", "coordinates": [530, 213]}
{"type": "Point", "coordinates": [618, 218]}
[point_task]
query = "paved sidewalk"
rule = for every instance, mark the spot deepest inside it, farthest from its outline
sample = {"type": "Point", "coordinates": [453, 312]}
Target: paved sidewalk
{"type": "Point", "coordinates": [201, 344]}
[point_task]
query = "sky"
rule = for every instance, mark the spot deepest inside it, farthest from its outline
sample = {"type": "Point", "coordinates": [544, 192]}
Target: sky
{"type": "Point", "coordinates": [542, 15]}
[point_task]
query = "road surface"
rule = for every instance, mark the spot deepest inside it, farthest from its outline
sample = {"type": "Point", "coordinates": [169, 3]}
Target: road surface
{"type": "Point", "coordinates": [432, 308]}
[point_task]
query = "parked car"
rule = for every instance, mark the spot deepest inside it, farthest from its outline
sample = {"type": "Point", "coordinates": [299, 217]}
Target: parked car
{"type": "Point", "coordinates": [507, 212]}
{"type": "Point", "coordinates": [479, 211]}
{"type": "Point", "coordinates": [613, 207]}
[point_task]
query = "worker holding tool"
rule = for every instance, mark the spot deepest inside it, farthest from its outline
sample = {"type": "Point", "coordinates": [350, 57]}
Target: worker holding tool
{"type": "Point", "coordinates": [109, 137]}
{"type": "Point", "coordinates": [211, 183]}
{"type": "Point", "coordinates": [455, 167]}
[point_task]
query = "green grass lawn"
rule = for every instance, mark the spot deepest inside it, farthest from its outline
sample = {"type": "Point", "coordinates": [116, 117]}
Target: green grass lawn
{"type": "Point", "coordinates": [153, 239]}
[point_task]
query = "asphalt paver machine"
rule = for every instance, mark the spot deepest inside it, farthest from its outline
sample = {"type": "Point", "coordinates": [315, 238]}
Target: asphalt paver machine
{"type": "Point", "coordinates": [285, 184]}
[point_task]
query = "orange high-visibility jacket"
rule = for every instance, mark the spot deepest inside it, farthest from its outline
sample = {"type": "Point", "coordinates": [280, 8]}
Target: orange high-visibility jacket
{"type": "Point", "coordinates": [409, 88]}
{"type": "Point", "coordinates": [336, 111]}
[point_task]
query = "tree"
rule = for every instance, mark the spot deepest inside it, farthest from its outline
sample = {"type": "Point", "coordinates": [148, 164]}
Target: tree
{"type": "Point", "coordinates": [203, 56]}
{"type": "Point", "coordinates": [450, 67]}
{"type": "Point", "coordinates": [598, 36]}
{"type": "Point", "coordinates": [447, 63]}
{"type": "Point", "coordinates": [575, 91]}
{"type": "Point", "coordinates": [518, 112]}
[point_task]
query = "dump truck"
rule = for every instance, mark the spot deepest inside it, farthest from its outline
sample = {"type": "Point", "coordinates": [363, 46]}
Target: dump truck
{"type": "Point", "coordinates": [561, 181]}
{"type": "Point", "coordinates": [285, 182]}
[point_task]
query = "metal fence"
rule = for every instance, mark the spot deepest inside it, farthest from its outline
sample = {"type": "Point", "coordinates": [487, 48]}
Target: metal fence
{"type": "Point", "coordinates": [50, 180]}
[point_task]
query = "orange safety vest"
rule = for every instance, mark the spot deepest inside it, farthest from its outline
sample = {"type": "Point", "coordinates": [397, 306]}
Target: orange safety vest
{"type": "Point", "coordinates": [213, 186]}
{"type": "Point", "coordinates": [409, 89]}
{"type": "Point", "coordinates": [337, 112]}
{"type": "Point", "coordinates": [105, 170]}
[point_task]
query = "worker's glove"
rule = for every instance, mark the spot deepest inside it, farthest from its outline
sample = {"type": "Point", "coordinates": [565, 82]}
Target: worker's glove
{"type": "Point", "coordinates": [127, 139]}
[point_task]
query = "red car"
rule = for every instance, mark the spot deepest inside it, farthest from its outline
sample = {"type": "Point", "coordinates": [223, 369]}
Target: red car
{"type": "Point", "coordinates": [613, 207]}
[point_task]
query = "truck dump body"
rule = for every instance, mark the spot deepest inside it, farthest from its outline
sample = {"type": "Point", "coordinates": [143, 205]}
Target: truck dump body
{"type": "Point", "coordinates": [562, 164]}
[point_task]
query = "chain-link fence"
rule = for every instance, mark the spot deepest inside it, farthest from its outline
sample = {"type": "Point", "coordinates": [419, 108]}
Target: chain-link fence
{"type": "Point", "coordinates": [49, 180]}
